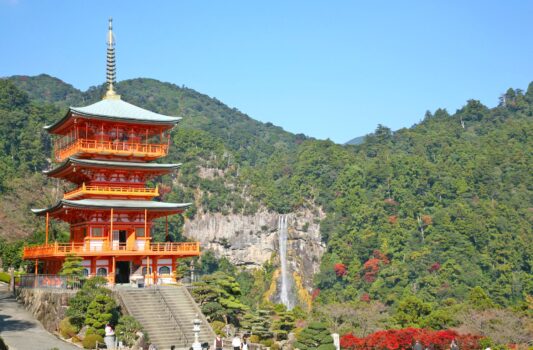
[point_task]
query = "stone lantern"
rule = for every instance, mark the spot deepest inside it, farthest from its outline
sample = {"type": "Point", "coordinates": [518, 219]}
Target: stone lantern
{"type": "Point", "coordinates": [196, 330]}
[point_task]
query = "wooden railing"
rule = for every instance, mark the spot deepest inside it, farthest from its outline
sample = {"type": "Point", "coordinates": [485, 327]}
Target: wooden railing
{"type": "Point", "coordinates": [107, 248]}
{"type": "Point", "coordinates": [112, 190]}
{"type": "Point", "coordinates": [116, 148]}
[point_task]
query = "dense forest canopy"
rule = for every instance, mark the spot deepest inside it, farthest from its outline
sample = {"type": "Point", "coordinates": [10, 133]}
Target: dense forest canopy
{"type": "Point", "coordinates": [424, 215]}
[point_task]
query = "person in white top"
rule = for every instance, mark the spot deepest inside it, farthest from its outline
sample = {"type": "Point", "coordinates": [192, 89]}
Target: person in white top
{"type": "Point", "coordinates": [236, 343]}
{"type": "Point", "coordinates": [109, 338]}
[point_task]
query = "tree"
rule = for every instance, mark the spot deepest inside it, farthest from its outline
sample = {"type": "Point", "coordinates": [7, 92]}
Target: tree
{"type": "Point", "coordinates": [314, 336]}
{"type": "Point", "coordinates": [411, 311]}
{"type": "Point", "coordinates": [502, 326]}
{"type": "Point", "coordinates": [79, 304]}
{"type": "Point", "coordinates": [72, 266]}
{"type": "Point", "coordinates": [257, 323]}
{"type": "Point", "coordinates": [127, 329]}
{"type": "Point", "coordinates": [100, 311]}
{"type": "Point", "coordinates": [479, 300]}
{"type": "Point", "coordinates": [283, 324]}
{"type": "Point", "coordinates": [218, 295]}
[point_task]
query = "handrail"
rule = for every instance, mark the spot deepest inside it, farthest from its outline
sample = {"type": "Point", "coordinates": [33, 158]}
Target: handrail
{"type": "Point", "coordinates": [62, 249]}
{"type": "Point", "coordinates": [171, 312]}
{"type": "Point", "coordinates": [95, 189]}
{"type": "Point", "coordinates": [199, 312]}
{"type": "Point", "coordinates": [111, 147]}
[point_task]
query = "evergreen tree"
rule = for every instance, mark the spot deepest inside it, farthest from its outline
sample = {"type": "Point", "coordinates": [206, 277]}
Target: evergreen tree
{"type": "Point", "coordinates": [314, 337]}
{"type": "Point", "coordinates": [100, 311]}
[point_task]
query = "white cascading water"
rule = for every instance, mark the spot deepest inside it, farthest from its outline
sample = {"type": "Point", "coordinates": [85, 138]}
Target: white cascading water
{"type": "Point", "coordinates": [285, 284]}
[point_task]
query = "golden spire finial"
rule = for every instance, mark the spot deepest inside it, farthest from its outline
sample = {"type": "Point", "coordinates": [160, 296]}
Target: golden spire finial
{"type": "Point", "coordinates": [111, 68]}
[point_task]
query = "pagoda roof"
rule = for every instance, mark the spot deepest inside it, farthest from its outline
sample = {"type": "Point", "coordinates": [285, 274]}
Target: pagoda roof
{"type": "Point", "coordinates": [107, 164]}
{"type": "Point", "coordinates": [112, 203]}
{"type": "Point", "coordinates": [114, 109]}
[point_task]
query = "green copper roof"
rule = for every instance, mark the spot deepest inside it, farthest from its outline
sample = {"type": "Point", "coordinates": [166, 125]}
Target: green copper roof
{"type": "Point", "coordinates": [111, 164]}
{"type": "Point", "coordinates": [117, 110]}
{"type": "Point", "coordinates": [112, 203]}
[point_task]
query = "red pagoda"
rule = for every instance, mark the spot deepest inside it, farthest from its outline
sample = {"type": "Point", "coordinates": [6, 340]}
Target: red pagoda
{"type": "Point", "coordinates": [105, 149]}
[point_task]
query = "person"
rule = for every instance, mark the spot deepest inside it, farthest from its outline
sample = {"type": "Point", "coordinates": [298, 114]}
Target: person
{"type": "Point", "coordinates": [418, 346]}
{"type": "Point", "coordinates": [236, 342]}
{"type": "Point", "coordinates": [219, 343]}
{"type": "Point", "coordinates": [245, 344]}
{"type": "Point", "coordinates": [453, 345]}
{"type": "Point", "coordinates": [109, 338]}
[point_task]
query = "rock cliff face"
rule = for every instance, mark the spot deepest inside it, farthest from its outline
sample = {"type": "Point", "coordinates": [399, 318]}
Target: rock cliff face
{"type": "Point", "coordinates": [250, 241]}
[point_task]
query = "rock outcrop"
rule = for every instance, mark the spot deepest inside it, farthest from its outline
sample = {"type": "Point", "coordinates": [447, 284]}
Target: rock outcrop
{"type": "Point", "coordinates": [250, 241]}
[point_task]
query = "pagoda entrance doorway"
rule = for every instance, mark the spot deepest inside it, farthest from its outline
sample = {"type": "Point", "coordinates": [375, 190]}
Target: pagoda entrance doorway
{"type": "Point", "coordinates": [123, 272]}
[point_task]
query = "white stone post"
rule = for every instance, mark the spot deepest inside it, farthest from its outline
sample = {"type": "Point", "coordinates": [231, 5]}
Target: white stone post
{"type": "Point", "coordinates": [336, 341]}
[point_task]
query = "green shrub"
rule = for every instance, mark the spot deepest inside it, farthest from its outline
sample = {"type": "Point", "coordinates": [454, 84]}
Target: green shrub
{"type": "Point", "coordinates": [267, 342]}
{"type": "Point", "coordinates": [127, 329]}
{"type": "Point", "coordinates": [89, 342]}
{"type": "Point", "coordinates": [218, 327]}
{"type": "Point", "coordinates": [100, 311]}
{"type": "Point", "coordinates": [4, 277]}
{"type": "Point", "coordinates": [67, 329]}
{"type": "Point", "coordinates": [315, 336]}
{"type": "Point", "coordinates": [254, 339]}
{"type": "Point", "coordinates": [79, 304]}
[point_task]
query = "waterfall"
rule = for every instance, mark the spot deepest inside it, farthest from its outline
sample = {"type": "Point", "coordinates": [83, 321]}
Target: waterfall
{"type": "Point", "coordinates": [285, 288]}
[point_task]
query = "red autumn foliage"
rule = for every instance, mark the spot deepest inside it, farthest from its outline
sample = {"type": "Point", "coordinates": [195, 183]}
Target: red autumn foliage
{"type": "Point", "coordinates": [393, 219]}
{"type": "Point", "coordinates": [435, 267]}
{"type": "Point", "coordinates": [371, 268]}
{"type": "Point", "coordinates": [340, 269]}
{"type": "Point", "coordinates": [365, 298]}
{"type": "Point", "coordinates": [382, 257]}
{"type": "Point", "coordinates": [315, 294]}
{"type": "Point", "coordinates": [403, 339]}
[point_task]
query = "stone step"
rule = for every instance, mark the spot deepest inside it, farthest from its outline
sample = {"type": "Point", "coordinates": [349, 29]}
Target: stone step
{"type": "Point", "coordinates": [151, 310]}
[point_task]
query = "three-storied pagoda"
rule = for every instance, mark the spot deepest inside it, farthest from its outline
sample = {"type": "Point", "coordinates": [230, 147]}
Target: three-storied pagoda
{"type": "Point", "coordinates": [105, 149]}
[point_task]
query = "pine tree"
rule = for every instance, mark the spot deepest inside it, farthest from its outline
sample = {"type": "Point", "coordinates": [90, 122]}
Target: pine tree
{"type": "Point", "coordinates": [315, 336]}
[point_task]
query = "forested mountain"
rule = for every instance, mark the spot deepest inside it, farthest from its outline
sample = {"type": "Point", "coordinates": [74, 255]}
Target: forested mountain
{"type": "Point", "coordinates": [421, 216]}
{"type": "Point", "coordinates": [356, 141]}
{"type": "Point", "coordinates": [251, 141]}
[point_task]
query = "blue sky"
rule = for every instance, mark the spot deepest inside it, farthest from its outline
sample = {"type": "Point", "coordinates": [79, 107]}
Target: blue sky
{"type": "Point", "coordinates": [328, 69]}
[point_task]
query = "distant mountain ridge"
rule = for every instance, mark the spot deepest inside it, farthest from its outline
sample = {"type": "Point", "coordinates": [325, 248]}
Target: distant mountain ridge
{"type": "Point", "coordinates": [356, 141]}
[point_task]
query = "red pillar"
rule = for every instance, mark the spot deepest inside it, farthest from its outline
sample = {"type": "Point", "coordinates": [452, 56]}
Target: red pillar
{"type": "Point", "coordinates": [154, 269]}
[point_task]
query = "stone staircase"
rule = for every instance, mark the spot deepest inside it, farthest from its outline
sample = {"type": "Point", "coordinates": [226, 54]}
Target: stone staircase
{"type": "Point", "coordinates": [166, 314]}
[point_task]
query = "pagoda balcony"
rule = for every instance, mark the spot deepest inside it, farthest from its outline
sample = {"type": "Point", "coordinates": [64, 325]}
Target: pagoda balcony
{"type": "Point", "coordinates": [147, 151]}
{"type": "Point", "coordinates": [61, 250]}
{"type": "Point", "coordinates": [122, 191]}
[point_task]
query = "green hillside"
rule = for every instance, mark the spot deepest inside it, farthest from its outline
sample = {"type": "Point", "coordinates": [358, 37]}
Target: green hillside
{"type": "Point", "coordinates": [251, 141]}
{"type": "Point", "coordinates": [422, 215]}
